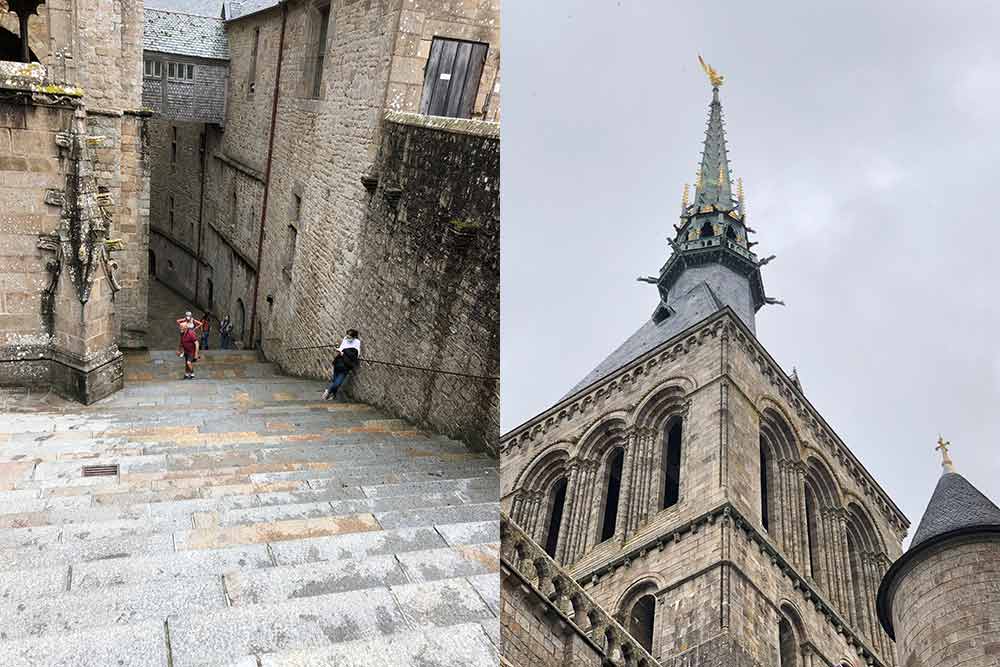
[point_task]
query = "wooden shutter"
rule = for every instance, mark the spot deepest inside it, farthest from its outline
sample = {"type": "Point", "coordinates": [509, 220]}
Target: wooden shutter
{"type": "Point", "coordinates": [451, 77]}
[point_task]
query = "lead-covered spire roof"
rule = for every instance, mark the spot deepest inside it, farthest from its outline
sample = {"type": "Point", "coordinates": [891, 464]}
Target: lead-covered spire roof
{"type": "Point", "coordinates": [714, 184]}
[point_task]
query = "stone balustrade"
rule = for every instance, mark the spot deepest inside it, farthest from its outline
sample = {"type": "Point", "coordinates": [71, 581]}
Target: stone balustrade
{"type": "Point", "coordinates": [563, 596]}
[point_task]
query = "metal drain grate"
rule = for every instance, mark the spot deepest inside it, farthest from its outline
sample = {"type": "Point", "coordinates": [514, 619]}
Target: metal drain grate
{"type": "Point", "coordinates": [100, 471]}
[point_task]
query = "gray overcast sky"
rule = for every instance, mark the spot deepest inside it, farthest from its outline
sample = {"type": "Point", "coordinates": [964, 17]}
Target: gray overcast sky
{"type": "Point", "coordinates": [867, 137]}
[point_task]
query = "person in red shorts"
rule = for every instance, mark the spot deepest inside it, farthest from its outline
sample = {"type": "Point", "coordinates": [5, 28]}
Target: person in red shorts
{"type": "Point", "coordinates": [188, 348]}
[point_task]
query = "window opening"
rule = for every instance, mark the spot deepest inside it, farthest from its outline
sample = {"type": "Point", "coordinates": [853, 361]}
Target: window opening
{"type": "Point", "coordinates": [555, 518]}
{"type": "Point", "coordinates": [614, 486]}
{"type": "Point", "coordinates": [641, 621]}
{"type": "Point", "coordinates": [765, 518]}
{"type": "Point", "coordinates": [672, 464]}
{"type": "Point", "coordinates": [707, 230]}
{"type": "Point", "coordinates": [252, 77]}
{"type": "Point", "coordinates": [320, 53]}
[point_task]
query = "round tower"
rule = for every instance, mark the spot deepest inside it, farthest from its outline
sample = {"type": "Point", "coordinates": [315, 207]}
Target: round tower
{"type": "Point", "coordinates": [940, 601]}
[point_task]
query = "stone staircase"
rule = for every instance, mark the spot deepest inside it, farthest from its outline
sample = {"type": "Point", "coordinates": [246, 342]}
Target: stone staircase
{"type": "Point", "coordinates": [243, 522]}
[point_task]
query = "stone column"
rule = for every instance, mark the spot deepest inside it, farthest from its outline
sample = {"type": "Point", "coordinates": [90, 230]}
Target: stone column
{"type": "Point", "coordinates": [571, 508]}
{"type": "Point", "coordinates": [564, 525]}
{"type": "Point", "coordinates": [516, 506]}
{"type": "Point", "coordinates": [802, 532]}
{"type": "Point", "coordinates": [625, 502]}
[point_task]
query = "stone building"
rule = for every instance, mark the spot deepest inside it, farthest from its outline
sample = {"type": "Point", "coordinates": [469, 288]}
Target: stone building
{"type": "Point", "coordinates": [352, 181]}
{"type": "Point", "coordinates": [940, 602]}
{"type": "Point", "coordinates": [74, 189]}
{"type": "Point", "coordinates": [689, 487]}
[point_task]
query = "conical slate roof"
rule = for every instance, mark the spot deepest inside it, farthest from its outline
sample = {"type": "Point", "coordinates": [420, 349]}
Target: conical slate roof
{"type": "Point", "coordinates": [955, 505]}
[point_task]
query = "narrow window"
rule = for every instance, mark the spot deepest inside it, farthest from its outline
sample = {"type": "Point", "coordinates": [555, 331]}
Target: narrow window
{"type": "Point", "coordinates": [170, 212]}
{"type": "Point", "coordinates": [786, 644]}
{"type": "Point", "coordinates": [615, 463]}
{"type": "Point", "coordinates": [555, 517]}
{"type": "Point", "coordinates": [320, 54]}
{"type": "Point", "coordinates": [765, 518]}
{"type": "Point", "coordinates": [191, 232]}
{"type": "Point", "coordinates": [171, 71]}
{"type": "Point", "coordinates": [190, 72]}
{"type": "Point", "coordinates": [296, 208]}
{"type": "Point", "coordinates": [147, 68]}
{"type": "Point", "coordinates": [451, 77]}
{"type": "Point", "coordinates": [730, 234]}
{"type": "Point", "coordinates": [173, 147]}
{"type": "Point", "coordinates": [252, 77]}
{"type": "Point", "coordinates": [293, 235]}
{"type": "Point", "coordinates": [672, 464]}
{"type": "Point", "coordinates": [157, 69]}
{"type": "Point", "coordinates": [641, 621]}
{"type": "Point", "coordinates": [707, 230]}
{"type": "Point", "coordinates": [235, 210]}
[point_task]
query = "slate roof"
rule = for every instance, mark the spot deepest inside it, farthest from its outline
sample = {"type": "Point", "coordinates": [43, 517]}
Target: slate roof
{"type": "Point", "coordinates": [235, 9]}
{"type": "Point", "coordinates": [185, 34]}
{"type": "Point", "coordinates": [211, 8]}
{"type": "Point", "coordinates": [699, 303]}
{"type": "Point", "coordinates": [955, 505]}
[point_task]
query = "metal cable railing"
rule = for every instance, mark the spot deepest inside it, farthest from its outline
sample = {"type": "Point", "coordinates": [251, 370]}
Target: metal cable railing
{"type": "Point", "coordinates": [368, 360]}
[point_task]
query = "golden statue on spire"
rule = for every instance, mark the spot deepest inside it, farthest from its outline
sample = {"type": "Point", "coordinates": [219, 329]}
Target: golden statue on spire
{"type": "Point", "coordinates": [713, 76]}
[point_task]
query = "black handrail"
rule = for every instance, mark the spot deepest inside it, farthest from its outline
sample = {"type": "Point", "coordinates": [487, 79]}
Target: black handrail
{"type": "Point", "coordinates": [398, 365]}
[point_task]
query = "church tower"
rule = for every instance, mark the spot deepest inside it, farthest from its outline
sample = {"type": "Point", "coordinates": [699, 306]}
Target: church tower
{"type": "Point", "coordinates": [941, 600]}
{"type": "Point", "coordinates": [688, 485]}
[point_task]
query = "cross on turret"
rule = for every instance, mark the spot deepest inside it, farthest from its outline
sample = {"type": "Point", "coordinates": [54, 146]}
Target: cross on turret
{"type": "Point", "coordinates": [946, 461]}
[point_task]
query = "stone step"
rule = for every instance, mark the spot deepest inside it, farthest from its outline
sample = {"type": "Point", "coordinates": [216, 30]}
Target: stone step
{"type": "Point", "coordinates": [395, 541]}
{"type": "Point", "coordinates": [136, 645]}
{"type": "Point", "coordinates": [467, 645]}
{"type": "Point", "coordinates": [283, 583]}
{"type": "Point", "coordinates": [435, 515]}
{"type": "Point", "coordinates": [117, 605]}
{"type": "Point", "coordinates": [229, 635]}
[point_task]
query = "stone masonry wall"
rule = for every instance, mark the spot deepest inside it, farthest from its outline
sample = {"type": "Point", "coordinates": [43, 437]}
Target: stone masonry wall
{"type": "Point", "coordinates": [29, 167]}
{"type": "Point", "coordinates": [947, 607]}
{"type": "Point", "coordinates": [425, 289]}
{"type": "Point", "coordinates": [175, 187]}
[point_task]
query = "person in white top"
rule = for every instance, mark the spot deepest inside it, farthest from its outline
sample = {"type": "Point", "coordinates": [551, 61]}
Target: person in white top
{"type": "Point", "coordinates": [344, 362]}
{"type": "Point", "coordinates": [351, 340]}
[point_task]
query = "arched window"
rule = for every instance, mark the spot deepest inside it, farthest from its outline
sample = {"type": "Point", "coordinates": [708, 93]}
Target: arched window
{"type": "Point", "coordinates": [786, 644]}
{"type": "Point", "coordinates": [707, 230]}
{"type": "Point", "coordinates": [730, 234]}
{"type": "Point", "coordinates": [672, 464]}
{"type": "Point", "coordinates": [765, 518]}
{"type": "Point", "coordinates": [614, 487]}
{"type": "Point", "coordinates": [641, 621]}
{"type": "Point", "coordinates": [811, 530]}
{"type": "Point", "coordinates": [555, 516]}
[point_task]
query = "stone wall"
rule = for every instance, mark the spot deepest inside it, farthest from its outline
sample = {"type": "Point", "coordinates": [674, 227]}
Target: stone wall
{"type": "Point", "coordinates": [727, 583]}
{"type": "Point", "coordinates": [946, 609]}
{"type": "Point", "coordinates": [425, 287]}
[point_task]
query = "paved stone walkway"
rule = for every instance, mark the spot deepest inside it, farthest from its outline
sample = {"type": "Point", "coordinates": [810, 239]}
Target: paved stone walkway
{"type": "Point", "coordinates": [165, 306]}
{"type": "Point", "coordinates": [247, 524]}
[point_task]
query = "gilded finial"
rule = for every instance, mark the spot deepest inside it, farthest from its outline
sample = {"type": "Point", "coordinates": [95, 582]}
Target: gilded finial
{"type": "Point", "coordinates": [713, 76]}
{"type": "Point", "coordinates": [946, 461]}
{"type": "Point", "coordinates": [722, 175]}
{"type": "Point", "coordinates": [684, 199]}
{"type": "Point", "coordinates": [697, 180]}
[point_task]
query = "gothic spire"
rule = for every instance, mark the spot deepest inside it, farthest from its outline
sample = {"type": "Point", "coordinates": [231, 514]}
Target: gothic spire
{"type": "Point", "coordinates": [714, 179]}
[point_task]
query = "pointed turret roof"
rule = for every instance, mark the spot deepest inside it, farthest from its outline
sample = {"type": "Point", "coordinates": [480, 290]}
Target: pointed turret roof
{"type": "Point", "coordinates": [714, 184]}
{"type": "Point", "coordinates": [955, 505]}
{"type": "Point", "coordinates": [956, 509]}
